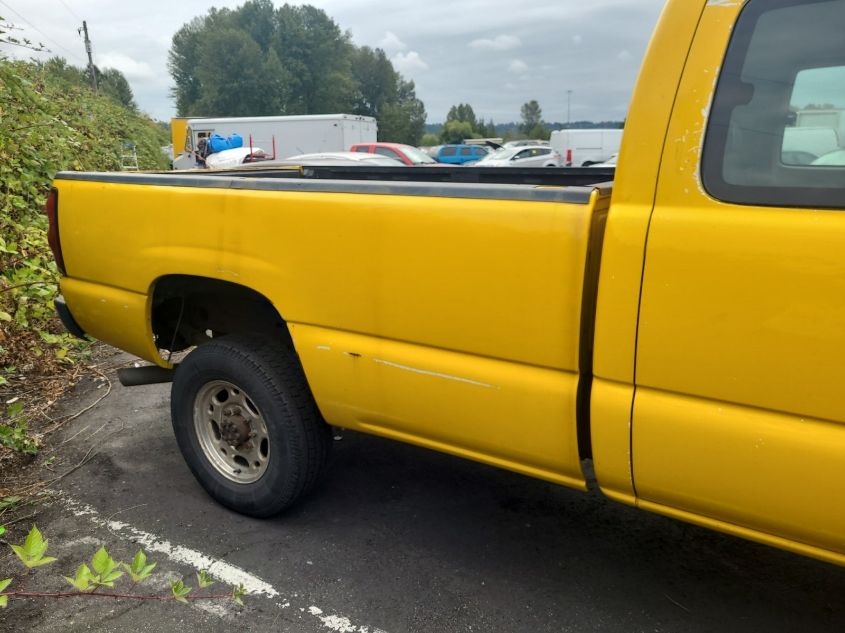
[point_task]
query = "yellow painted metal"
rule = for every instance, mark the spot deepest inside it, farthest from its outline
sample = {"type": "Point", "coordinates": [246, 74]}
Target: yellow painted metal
{"type": "Point", "coordinates": [493, 278]}
{"type": "Point", "coordinates": [506, 414]}
{"type": "Point", "coordinates": [178, 129]}
{"type": "Point", "coordinates": [753, 468]}
{"type": "Point", "coordinates": [485, 279]}
{"type": "Point", "coordinates": [633, 191]}
{"type": "Point", "coordinates": [752, 535]}
{"type": "Point", "coordinates": [118, 316]}
{"type": "Point", "coordinates": [739, 413]}
{"type": "Point", "coordinates": [610, 434]}
{"type": "Point", "coordinates": [624, 247]}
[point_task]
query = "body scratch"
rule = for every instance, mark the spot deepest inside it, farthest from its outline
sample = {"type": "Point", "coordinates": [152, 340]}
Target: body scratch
{"type": "Point", "coordinates": [436, 374]}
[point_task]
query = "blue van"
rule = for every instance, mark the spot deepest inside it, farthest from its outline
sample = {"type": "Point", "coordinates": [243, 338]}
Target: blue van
{"type": "Point", "coordinates": [460, 154]}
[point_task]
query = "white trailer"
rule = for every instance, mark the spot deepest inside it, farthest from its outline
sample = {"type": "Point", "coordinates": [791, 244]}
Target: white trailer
{"type": "Point", "coordinates": [582, 148]}
{"type": "Point", "coordinates": [288, 135]}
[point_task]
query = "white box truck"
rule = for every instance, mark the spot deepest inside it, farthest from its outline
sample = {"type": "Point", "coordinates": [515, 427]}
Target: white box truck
{"type": "Point", "coordinates": [287, 135]}
{"type": "Point", "coordinates": [582, 148]}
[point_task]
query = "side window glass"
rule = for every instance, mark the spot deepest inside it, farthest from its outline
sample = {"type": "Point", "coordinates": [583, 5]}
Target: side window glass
{"type": "Point", "coordinates": [776, 132]}
{"type": "Point", "coordinates": [364, 149]}
{"type": "Point", "coordinates": [814, 131]}
{"type": "Point", "coordinates": [447, 151]}
{"type": "Point", "coordinates": [466, 151]}
{"type": "Point", "coordinates": [384, 151]}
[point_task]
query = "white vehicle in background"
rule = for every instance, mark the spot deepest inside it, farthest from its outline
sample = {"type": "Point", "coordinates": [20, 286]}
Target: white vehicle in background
{"type": "Point", "coordinates": [610, 162]}
{"type": "Point", "coordinates": [531, 156]}
{"type": "Point", "coordinates": [806, 145]}
{"type": "Point", "coordinates": [339, 159]}
{"type": "Point", "coordinates": [582, 148]}
{"type": "Point", "coordinates": [279, 136]}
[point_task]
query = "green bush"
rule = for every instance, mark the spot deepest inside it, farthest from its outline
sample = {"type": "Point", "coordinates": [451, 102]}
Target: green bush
{"type": "Point", "coordinates": [48, 124]}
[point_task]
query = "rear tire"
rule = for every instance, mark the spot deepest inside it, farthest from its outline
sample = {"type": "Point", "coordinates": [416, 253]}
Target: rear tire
{"type": "Point", "coordinates": [247, 424]}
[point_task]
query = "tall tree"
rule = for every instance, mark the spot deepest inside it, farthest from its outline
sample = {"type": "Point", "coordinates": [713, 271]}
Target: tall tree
{"type": "Point", "coordinates": [257, 59]}
{"type": "Point", "coordinates": [456, 131]}
{"type": "Point", "coordinates": [183, 63]}
{"type": "Point", "coordinates": [376, 79]}
{"type": "Point", "coordinates": [402, 120]}
{"type": "Point", "coordinates": [237, 82]}
{"type": "Point", "coordinates": [532, 116]}
{"type": "Point", "coordinates": [112, 83]}
{"type": "Point", "coordinates": [463, 112]}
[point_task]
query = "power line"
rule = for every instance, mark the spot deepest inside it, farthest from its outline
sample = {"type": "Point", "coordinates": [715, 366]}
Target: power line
{"type": "Point", "coordinates": [44, 35]}
{"type": "Point", "coordinates": [72, 12]}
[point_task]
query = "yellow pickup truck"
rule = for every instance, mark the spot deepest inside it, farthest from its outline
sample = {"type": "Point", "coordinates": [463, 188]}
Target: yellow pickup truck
{"type": "Point", "coordinates": [682, 328]}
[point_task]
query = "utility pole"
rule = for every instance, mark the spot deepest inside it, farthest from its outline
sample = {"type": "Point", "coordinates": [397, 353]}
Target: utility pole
{"type": "Point", "coordinates": [568, 107]}
{"type": "Point", "coordinates": [90, 60]}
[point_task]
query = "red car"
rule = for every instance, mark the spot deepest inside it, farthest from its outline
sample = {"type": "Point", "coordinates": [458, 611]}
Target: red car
{"type": "Point", "coordinates": [409, 155]}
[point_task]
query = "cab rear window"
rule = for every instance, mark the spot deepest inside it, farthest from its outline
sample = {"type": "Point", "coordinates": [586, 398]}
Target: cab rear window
{"type": "Point", "coordinates": [776, 133]}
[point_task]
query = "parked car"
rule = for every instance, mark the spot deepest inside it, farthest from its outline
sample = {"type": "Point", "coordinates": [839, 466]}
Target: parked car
{"type": "Point", "coordinates": [610, 162]}
{"type": "Point", "coordinates": [337, 158]}
{"type": "Point", "coordinates": [460, 154]}
{"type": "Point", "coordinates": [526, 143]}
{"type": "Point", "coordinates": [532, 156]}
{"type": "Point", "coordinates": [406, 154]}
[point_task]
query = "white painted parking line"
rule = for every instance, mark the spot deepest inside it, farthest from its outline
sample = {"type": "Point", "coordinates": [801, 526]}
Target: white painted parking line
{"type": "Point", "coordinates": [219, 569]}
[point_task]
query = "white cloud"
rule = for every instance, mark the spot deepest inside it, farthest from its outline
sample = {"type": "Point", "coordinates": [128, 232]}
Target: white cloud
{"type": "Point", "coordinates": [391, 42]}
{"type": "Point", "coordinates": [510, 86]}
{"type": "Point", "coordinates": [577, 39]}
{"type": "Point", "coordinates": [132, 69]}
{"type": "Point", "coordinates": [408, 62]}
{"type": "Point", "coordinates": [624, 56]}
{"type": "Point", "coordinates": [498, 43]}
{"type": "Point", "coordinates": [518, 66]}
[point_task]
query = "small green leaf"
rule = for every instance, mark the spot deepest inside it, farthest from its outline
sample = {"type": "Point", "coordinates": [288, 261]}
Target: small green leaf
{"type": "Point", "coordinates": [13, 410]}
{"type": "Point", "coordinates": [4, 602]}
{"type": "Point", "coordinates": [83, 578]}
{"type": "Point", "coordinates": [180, 591]}
{"type": "Point", "coordinates": [203, 579]}
{"type": "Point", "coordinates": [102, 563]}
{"type": "Point", "coordinates": [2, 529]}
{"type": "Point", "coordinates": [8, 502]}
{"type": "Point", "coordinates": [5, 583]}
{"type": "Point", "coordinates": [139, 569]}
{"type": "Point", "coordinates": [5, 316]}
{"type": "Point", "coordinates": [44, 560]}
{"type": "Point", "coordinates": [238, 593]}
{"type": "Point", "coordinates": [32, 551]}
{"type": "Point", "coordinates": [138, 562]}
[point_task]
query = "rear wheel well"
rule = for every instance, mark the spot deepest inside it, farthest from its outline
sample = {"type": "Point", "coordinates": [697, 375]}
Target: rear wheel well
{"type": "Point", "coordinates": [189, 310]}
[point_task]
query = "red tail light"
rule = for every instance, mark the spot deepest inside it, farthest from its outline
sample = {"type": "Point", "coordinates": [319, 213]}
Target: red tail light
{"type": "Point", "coordinates": [51, 208]}
{"type": "Point", "coordinates": [569, 158]}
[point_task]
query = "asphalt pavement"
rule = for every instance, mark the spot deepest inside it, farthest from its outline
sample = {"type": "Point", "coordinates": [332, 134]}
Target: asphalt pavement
{"type": "Point", "coordinates": [396, 539]}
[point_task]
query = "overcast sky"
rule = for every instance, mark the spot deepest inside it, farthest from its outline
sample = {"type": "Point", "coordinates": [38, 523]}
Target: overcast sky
{"type": "Point", "coordinates": [492, 54]}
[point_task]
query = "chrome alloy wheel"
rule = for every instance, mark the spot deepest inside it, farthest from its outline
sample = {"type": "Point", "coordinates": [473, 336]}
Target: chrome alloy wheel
{"type": "Point", "coordinates": [231, 432]}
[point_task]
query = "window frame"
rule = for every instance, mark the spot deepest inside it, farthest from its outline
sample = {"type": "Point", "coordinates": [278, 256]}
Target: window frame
{"type": "Point", "coordinates": [717, 130]}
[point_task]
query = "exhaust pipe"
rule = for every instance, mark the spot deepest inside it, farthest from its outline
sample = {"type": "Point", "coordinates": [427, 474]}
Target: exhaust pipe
{"type": "Point", "coordinates": [149, 375]}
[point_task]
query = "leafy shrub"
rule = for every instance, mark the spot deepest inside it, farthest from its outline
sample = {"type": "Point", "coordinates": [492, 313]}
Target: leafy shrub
{"type": "Point", "coordinates": [48, 124]}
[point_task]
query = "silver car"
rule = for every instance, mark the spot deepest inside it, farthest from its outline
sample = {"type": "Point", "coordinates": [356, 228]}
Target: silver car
{"type": "Point", "coordinates": [533, 156]}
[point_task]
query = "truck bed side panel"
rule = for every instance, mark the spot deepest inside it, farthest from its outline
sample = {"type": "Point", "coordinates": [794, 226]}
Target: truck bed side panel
{"type": "Point", "coordinates": [448, 294]}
